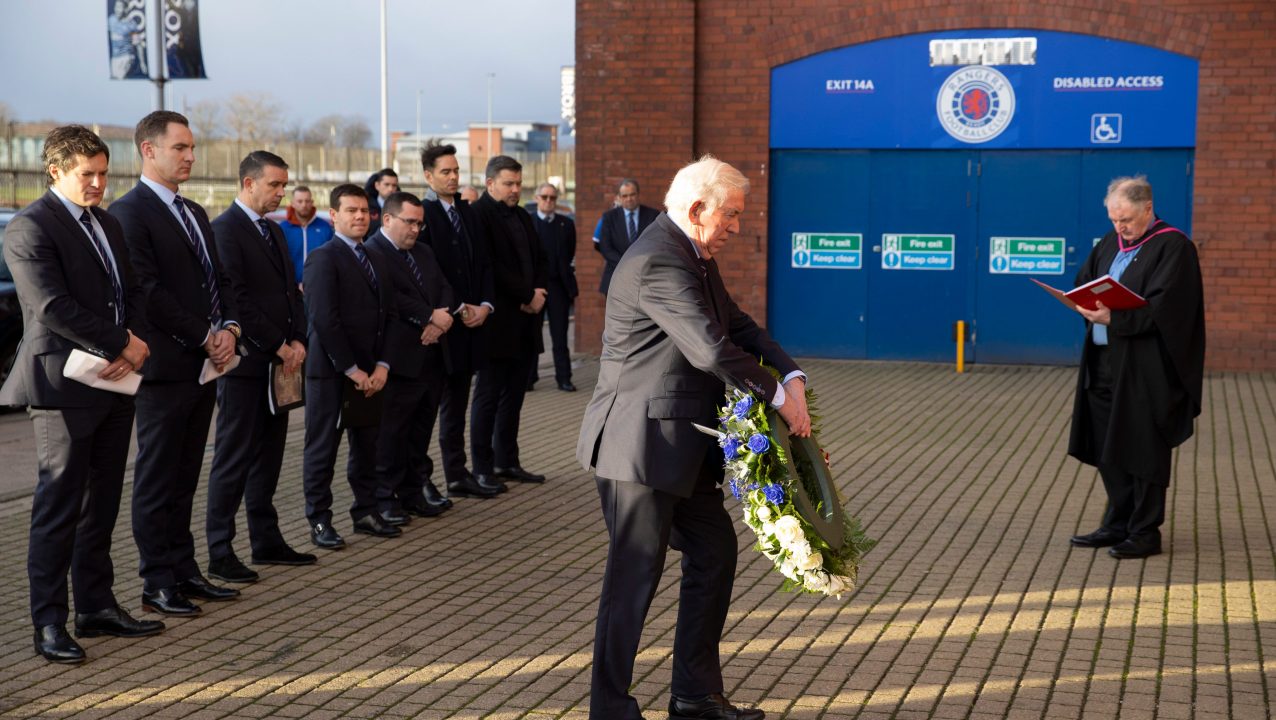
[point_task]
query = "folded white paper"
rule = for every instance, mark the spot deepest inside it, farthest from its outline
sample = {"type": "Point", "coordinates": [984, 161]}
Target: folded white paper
{"type": "Point", "coordinates": [211, 373]}
{"type": "Point", "coordinates": [83, 368]}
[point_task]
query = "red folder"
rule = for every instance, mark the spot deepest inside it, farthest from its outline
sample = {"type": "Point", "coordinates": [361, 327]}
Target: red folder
{"type": "Point", "coordinates": [1106, 290]}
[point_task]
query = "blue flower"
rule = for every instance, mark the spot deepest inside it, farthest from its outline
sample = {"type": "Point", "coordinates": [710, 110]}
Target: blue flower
{"type": "Point", "coordinates": [758, 443]}
{"type": "Point", "coordinates": [731, 447]}
{"type": "Point", "coordinates": [735, 489]}
{"type": "Point", "coordinates": [774, 494]}
{"type": "Point", "coordinates": [742, 407]}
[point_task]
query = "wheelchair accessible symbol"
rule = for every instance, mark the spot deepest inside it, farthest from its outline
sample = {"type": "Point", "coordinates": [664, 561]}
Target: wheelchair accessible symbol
{"type": "Point", "coordinates": [1105, 128]}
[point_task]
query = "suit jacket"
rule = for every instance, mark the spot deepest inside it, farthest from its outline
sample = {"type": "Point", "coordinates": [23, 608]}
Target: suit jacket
{"type": "Point", "coordinates": [414, 303]}
{"type": "Point", "coordinates": [261, 278]}
{"type": "Point", "coordinates": [347, 314]}
{"type": "Point", "coordinates": [614, 240]}
{"type": "Point", "coordinates": [178, 300]}
{"type": "Point", "coordinates": [519, 266]}
{"type": "Point", "coordinates": [558, 241]}
{"type": "Point", "coordinates": [68, 302]}
{"type": "Point", "coordinates": [673, 339]}
{"type": "Point", "coordinates": [466, 264]}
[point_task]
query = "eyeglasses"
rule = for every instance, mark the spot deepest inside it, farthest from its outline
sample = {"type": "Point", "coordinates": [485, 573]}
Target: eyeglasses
{"type": "Point", "coordinates": [410, 223]}
{"type": "Point", "coordinates": [547, 197]}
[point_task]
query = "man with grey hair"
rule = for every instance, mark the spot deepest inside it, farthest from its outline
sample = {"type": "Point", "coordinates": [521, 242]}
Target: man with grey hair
{"type": "Point", "coordinates": [1139, 386]}
{"type": "Point", "coordinates": [672, 341]}
{"type": "Point", "coordinates": [621, 227]}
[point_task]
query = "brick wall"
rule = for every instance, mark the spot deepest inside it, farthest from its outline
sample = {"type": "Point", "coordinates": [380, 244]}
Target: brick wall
{"type": "Point", "coordinates": [659, 83]}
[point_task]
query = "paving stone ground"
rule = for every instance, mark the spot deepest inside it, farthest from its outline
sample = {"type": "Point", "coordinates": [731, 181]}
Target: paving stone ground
{"type": "Point", "coordinates": [973, 606]}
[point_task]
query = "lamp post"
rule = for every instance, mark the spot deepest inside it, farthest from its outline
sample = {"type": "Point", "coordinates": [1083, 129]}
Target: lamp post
{"type": "Point", "coordinates": [385, 97]}
{"type": "Point", "coordinates": [490, 77]}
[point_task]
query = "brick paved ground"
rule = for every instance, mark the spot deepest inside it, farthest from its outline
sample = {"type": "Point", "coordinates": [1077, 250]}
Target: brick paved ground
{"type": "Point", "coordinates": [973, 606]}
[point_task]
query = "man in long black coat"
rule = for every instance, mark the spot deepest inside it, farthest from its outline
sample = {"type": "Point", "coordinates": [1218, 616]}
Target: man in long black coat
{"type": "Point", "coordinates": [558, 241]}
{"type": "Point", "coordinates": [1139, 385]}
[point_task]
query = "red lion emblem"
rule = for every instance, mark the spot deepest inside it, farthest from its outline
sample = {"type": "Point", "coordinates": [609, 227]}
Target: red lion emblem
{"type": "Point", "coordinates": [974, 104]}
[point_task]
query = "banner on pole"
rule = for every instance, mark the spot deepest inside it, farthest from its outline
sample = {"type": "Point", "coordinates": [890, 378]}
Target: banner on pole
{"type": "Point", "coordinates": [182, 50]}
{"type": "Point", "coordinates": [126, 36]}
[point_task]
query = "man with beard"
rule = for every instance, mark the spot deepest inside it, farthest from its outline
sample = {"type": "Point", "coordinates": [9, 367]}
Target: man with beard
{"type": "Point", "coordinates": [303, 228]}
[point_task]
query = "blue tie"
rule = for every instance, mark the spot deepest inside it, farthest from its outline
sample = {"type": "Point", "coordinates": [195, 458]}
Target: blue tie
{"type": "Point", "coordinates": [362, 254]}
{"type": "Point", "coordinates": [265, 232]}
{"type": "Point", "coordinates": [416, 269]}
{"type": "Point", "coordinates": [214, 292]}
{"type": "Point", "coordinates": [633, 225]}
{"type": "Point", "coordinates": [110, 269]}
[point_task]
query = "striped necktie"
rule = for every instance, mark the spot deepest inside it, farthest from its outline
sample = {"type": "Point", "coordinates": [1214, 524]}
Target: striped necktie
{"type": "Point", "coordinates": [633, 225]}
{"type": "Point", "coordinates": [362, 254]}
{"type": "Point", "coordinates": [214, 292]}
{"type": "Point", "coordinates": [416, 269]}
{"type": "Point", "coordinates": [265, 232]}
{"type": "Point", "coordinates": [110, 269]}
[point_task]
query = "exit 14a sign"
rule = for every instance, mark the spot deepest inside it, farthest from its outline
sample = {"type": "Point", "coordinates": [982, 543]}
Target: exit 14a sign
{"type": "Point", "coordinates": [1026, 256]}
{"type": "Point", "coordinates": [830, 251]}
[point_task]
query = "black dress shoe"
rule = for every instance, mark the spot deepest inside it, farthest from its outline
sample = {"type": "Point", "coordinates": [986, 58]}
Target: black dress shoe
{"type": "Point", "coordinates": [53, 644]}
{"type": "Point", "coordinates": [469, 487]}
{"type": "Point", "coordinates": [395, 518]}
{"type": "Point", "coordinates": [490, 482]}
{"type": "Point", "coordinates": [168, 601]}
{"type": "Point", "coordinates": [372, 524]}
{"type": "Point", "coordinates": [519, 474]}
{"type": "Point", "coordinates": [709, 707]}
{"type": "Point", "coordinates": [1136, 548]}
{"type": "Point", "coordinates": [114, 621]}
{"type": "Point", "coordinates": [197, 586]}
{"type": "Point", "coordinates": [436, 498]}
{"type": "Point", "coordinates": [323, 535]}
{"type": "Point", "coordinates": [283, 555]}
{"type": "Point", "coordinates": [566, 386]}
{"type": "Point", "coordinates": [421, 507]}
{"type": "Point", "coordinates": [230, 569]}
{"type": "Point", "coordinates": [1099, 538]}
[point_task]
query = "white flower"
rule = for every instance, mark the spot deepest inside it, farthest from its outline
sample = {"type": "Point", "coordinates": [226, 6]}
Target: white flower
{"type": "Point", "coordinates": [788, 530]}
{"type": "Point", "coordinates": [799, 550]}
{"type": "Point", "coordinates": [763, 513]}
{"type": "Point", "coordinates": [813, 561]}
{"type": "Point", "coordinates": [817, 581]}
{"type": "Point", "coordinates": [789, 570]}
{"type": "Point", "coordinates": [768, 529]}
{"type": "Point", "coordinates": [839, 584]}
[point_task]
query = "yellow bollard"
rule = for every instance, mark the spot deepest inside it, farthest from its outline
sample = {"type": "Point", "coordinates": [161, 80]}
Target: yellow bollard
{"type": "Point", "coordinates": [961, 346]}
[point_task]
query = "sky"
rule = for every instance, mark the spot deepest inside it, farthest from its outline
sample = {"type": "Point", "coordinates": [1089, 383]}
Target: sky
{"type": "Point", "coordinates": [314, 57]}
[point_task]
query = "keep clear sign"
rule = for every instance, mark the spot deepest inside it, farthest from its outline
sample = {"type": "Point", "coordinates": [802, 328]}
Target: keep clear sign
{"type": "Point", "coordinates": [833, 251]}
{"type": "Point", "coordinates": [917, 252]}
{"type": "Point", "coordinates": [1026, 256]}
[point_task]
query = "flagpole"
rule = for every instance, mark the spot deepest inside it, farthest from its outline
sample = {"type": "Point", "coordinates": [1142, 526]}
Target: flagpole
{"type": "Point", "coordinates": [385, 102]}
{"type": "Point", "coordinates": [159, 55]}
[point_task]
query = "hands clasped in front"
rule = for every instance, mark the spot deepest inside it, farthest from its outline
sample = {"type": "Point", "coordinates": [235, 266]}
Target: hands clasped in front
{"type": "Point", "coordinates": [794, 410]}
{"type": "Point", "coordinates": [439, 323]}
{"type": "Point", "coordinates": [129, 360]}
{"type": "Point", "coordinates": [537, 302]}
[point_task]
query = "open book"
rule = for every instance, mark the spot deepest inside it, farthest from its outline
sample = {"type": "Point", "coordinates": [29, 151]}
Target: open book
{"type": "Point", "coordinates": [1106, 290]}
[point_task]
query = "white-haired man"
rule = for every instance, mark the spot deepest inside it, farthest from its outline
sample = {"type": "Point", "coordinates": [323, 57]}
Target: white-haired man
{"type": "Point", "coordinates": [676, 338]}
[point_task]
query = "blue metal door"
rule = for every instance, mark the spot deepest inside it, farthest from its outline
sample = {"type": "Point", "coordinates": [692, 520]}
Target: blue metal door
{"type": "Point", "coordinates": [922, 232]}
{"type": "Point", "coordinates": [1169, 171]}
{"type": "Point", "coordinates": [1028, 228]}
{"type": "Point", "coordinates": [816, 300]}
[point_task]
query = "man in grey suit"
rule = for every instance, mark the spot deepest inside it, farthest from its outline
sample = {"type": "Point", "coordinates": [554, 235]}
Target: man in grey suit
{"type": "Point", "coordinates": [78, 292]}
{"type": "Point", "coordinates": [673, 339]}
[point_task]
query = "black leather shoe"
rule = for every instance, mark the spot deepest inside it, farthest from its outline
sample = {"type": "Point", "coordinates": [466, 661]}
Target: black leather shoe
{"type": "Point", "coordinates": [519, 474]}
{"type": "Point", "coordinates": [1136, 548]}
{"type": "Point", "coordinates": [1099, 538]}
{"type": "Point", "coordinates": [53, 644]}
{"type": "Point", "coordinates": [372, 524]}
{"type": "Point", "coordinates": [168, 601]}
{"type": "Point", "coordinates": [469, 487]}
{"type": "Point", "coordinates": [434, 497]}
{"type": "Point", "coordinates": [230, 569]}
{"type": "Point", "coordinates": [114, 621]}
{"type": "Point", "coordinates": [324, 536]}
{"type": "Point", "coordinates": [198, 586]}
{"type": "Point", "coordinates": [283, 555]}
{"type": "Point", "coordinates": [709, 707]}
{"type": "Point", "coordinates": [395, 518]}
{"type": "Point", "coordinates": [490, 482]}
{"type": "Point", "coordinates": [421, 507]}
{"type": "Point", "coordinates": [566, 386]}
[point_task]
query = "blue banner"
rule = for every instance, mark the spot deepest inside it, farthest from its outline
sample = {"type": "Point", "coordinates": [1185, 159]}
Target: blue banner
{"type": "Point", "coordinates": [994, 89]}
{"type": "Point", "coordinates": [126, 37]}
{"type": "Point", "coordinates": [182, 51]}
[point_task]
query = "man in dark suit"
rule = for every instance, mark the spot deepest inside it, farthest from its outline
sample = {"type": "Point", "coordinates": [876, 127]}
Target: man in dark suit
{"type": "Point", "coordinates": [453, 232]}
{"type": "Point", "coordinates": [191, 311]}
{"type": "Point", "coordinates": [249, 449]}
{"type": "Point", "coordinates": [673, 339]}
{"type": "Point", "coordinates": [621, 226]}
{"type": "Point", "coordinates": [518, 264]}
{"type": "Point", "coordinates": [418, 366]}
{"type": "Point", "coordinates": [557, 235]}
{"type": "Point", "coordinates": [78, 292]}
{"type": "Point", "coordinates": [349, 300]}
{"type": "Point", "coordinates": [380, 186]}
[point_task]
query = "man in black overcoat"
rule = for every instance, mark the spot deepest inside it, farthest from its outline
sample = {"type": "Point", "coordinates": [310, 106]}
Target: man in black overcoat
{"type": "Point", "coordinates": [557, 235]}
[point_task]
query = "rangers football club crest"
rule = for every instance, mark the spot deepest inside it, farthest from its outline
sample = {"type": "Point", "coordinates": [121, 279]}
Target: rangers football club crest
{"type": "Point", "coordinates": [975, 104]}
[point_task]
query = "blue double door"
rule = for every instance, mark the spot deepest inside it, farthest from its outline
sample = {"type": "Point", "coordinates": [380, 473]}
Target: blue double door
{"type": "Point", "coordinates": [938, 233]}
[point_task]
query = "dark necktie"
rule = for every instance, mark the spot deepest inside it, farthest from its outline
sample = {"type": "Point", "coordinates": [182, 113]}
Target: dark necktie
{"type": "Point", "coordinates": [416, 269]}
{"type": "Point", "coordinates": [362, 254]}
{"type": "Point", "coordinates": [265, 232]}
{"type": "Point", "coordinates": [455, 218]}
{"type": "Point", "coordinates": [214, 292]}
{"type": "Point", "coordinates": [633, 226]}
{"type": "Point", "coordinates": [110, 269]}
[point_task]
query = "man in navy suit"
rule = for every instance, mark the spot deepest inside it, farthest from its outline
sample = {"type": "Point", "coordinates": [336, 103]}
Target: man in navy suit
{"type": "Point", "coordinates": [250, 440]}
{"type": "Point", "coordinates": [78, 292]}
{"type": "Point", "coordinates": [621, 226]}
{"type": "Point", "coordinates": [380, 186]}
{"type": "Point", "coordinates": [557, 235]}
{"type": "Point", "coordinates": [191, 311]}
{"type": "Point", "coordinates": [423, 302]}
{"type": "Point", "coordinates": [349, 300]}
